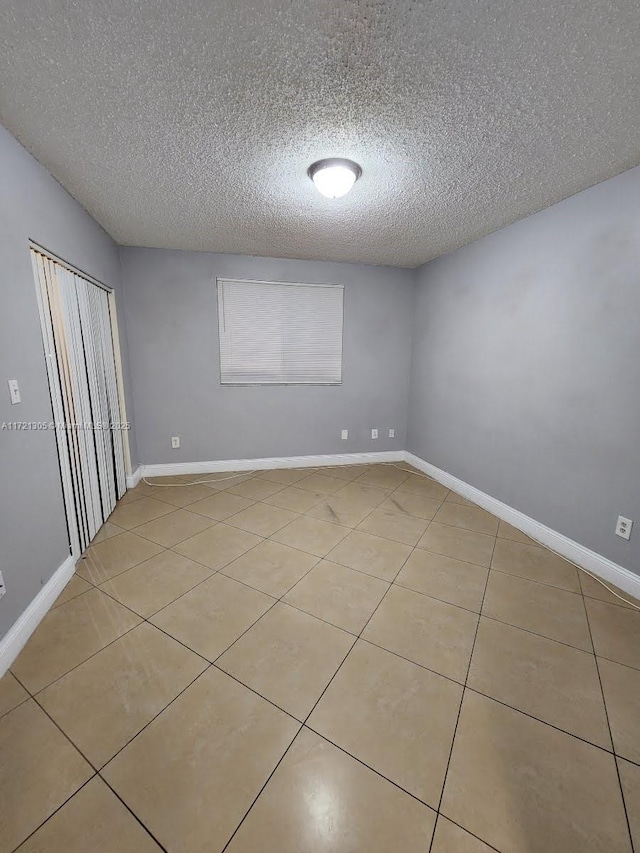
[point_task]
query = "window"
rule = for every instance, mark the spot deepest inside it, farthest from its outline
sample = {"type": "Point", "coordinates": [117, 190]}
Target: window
{"type": "Point", "coordinates": [279, 334]}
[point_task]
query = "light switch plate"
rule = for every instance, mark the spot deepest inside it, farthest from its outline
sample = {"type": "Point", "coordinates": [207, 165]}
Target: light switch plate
{"type": "Point", "coordinates": [14, 391]}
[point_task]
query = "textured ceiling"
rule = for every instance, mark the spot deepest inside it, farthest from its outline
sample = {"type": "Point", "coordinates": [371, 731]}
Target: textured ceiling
{"type": "Point", "coordinates": [190, 124]}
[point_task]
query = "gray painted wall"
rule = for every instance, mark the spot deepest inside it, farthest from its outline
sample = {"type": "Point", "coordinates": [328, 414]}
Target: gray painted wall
{"type": "Point", "coordinates": [526, 366]}
{"type": "Point", "coordinates": [33, 532]}
{"type": "Point", "coordinates": [173, 340]}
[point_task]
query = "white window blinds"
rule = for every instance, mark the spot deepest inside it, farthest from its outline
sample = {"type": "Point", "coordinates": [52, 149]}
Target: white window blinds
{"type": "Point", "coordinates": [278, 334]}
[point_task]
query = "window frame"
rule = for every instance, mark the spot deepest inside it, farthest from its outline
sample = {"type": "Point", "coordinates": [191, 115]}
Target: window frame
{"type": "Point", "coordinates": [220, 280]}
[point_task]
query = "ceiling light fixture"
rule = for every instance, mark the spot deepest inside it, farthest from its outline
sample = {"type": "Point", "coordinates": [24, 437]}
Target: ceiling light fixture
{"type": "Point", "coordinates": [335, 176]}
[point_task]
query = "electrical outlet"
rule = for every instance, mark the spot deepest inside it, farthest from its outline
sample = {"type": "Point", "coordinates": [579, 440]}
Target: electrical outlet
{"type": "Point", "coordinates": [3, 588]}
{"type": "Point", "coordinates": [392, 433]}
{"type": "Point", "coordinates": [345, 434]}
{"type": "Point", "coordinates": [175, 441]}
{"type": "Point", "coordinates": [374, 433]}
{"type": "Point", "coordinates": [623, 527]}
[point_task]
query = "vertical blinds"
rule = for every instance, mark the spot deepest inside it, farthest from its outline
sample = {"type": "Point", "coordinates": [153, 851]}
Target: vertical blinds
{"type": "Point", "coordinates": [275, 334]}
{"type": "Point", "coordinates": [78, 343]}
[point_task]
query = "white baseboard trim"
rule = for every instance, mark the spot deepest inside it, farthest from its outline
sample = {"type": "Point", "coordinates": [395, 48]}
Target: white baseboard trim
{"type": "Point", "coordinates": [16, 637]}
{"type": "Point", "coordinates": [589, 560]}
{"type": "Point", "coordinates": [169, 469]}
{"type": "Point", "coordinates": [134, 478]}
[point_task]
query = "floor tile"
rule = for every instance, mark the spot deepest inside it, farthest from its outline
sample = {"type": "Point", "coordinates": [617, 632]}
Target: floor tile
{"type": "Point", "coordinates": [445, 578]}
{"type": "Point", "coordinates": [525, 787]}
{"type": "Point", "coordinates": [262, 519]}
{"type": "Point", "coordinates": [535, 563]}
{"type": "Point", "coordinates": [107, 559]}
{"type": "Point", "coordinates": [340, 510]}
{"type": "Point", "coordinates": [406, 466]}
{"type": "Point", "coordinates": [323, 483]}
{"type": "Point", "coordinates": [173, 528]}
{"type": "Point", "coordinates": [467, 517]}
{"type": "Point", "coordinates": [311, 535]}
{"type": "Point", "coordinates": [375, 708]}
{"type": "Point", "coordinates": [73, 589]}
{"type": "Point", "coordinates": [221, 480]}
{"type": "Point", "coordinates": [616, 632]}
{"type": "Point", "coordinates": [320, 799]}
{"type": "Point", "coordinates": [621, 688]}
{"type": "Point", "coordinates": [109, 698]}
{"type": "Point", "coordinates": [174, 480]}
{"type": "Point", "coordinates": [381, 558]}
{"type": "Point", "coordinates": [594, 589]}
{"type": "Point", "coordinates": [68, 635]}
{"type": "Point", "coordinates": [284, 476]}
{"type": "Point", "coordinates": [288, 657]}
{"type": "Point", "coordinates": [181, 495]}
{"type": "Point", "coordinates": [507, 531]}
{"type": "Point", "coordinates": [409, 504]}
{"type": "Point", "coordinates": [39, 770]}
{"type": "Point", "coordinates": [271, 567]}
{"type": "Point", "coordinates": [213, 615]}
{"type": "Point", "coordinates": [12, 693]}
{"type": "Point", "coordinates": [220, 505]}
{"type": "Point", "coordinates": [363, 495]}
{"type": "Point", "coordinates": [553, 682]}
{"type": "Point", "coordinates": [142, 490]}
{"type": "Point", "coordinates": [152, 585]}
{"type": "Point", "coordinates": [450, 838]}
{"type": "Point", "coordinates": [345, 472]}
{"type": "Point", "coordinates": [455, 498]}
{"type": "Point", "coordinates": [137, 513]}
{"type": "Point", "coordinates": [338, 595]}
{"type": "Point", "coordinates": [217, 546]}
{"type": "Point", "coordinates": [298, 500]}
{"type": "Point", "coordinates": [537, 774]}
{"type": "Point", "coordinates": [384, 476]}
{"type": "Point", "coordinates": [429, 632]}
{"type": "Point", "coordinates": [630, 779]}
{"type": "Point", "coordinates": [191, 775]}
{"type": "Point", "coordinates": [256, 489]}
{"type": "Point", "coordinates": [394, 525]}
{"type": "Point", "coordinates": [466, 545]}
{"type": "Point", "coordinates": [554, 613]}
{"type": "Point", "coordinates": [170, 480]}
{"type": "Point", "coordinates": [93, 820]}
{"type": "Point", "coordinates": [418, 484]}
{"type": "Point", "coordinates": [106, 532]}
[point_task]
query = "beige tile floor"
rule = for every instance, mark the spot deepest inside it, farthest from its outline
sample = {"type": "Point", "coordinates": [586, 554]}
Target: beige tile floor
{"type": "Point", "coordinates": [348, 660]}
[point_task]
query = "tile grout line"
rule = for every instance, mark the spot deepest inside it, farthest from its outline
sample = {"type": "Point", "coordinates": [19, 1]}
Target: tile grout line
{"type": "Point", "coordinates": [54, 812]}
{"type": "Point", "coordinates": [464, 688]}
{"type": "Point", "coordinates": [304, 724]}
{"type": "Point", "coordinates": [89, 657]}
{"type": "Point", "coordinates": [95, 773]}
{"type": "Point", "coordinates": [209, 664]}
{"type": "Point", "coordinates": [357, 637]}
{"type": "Point", "coordinates": [132, 813]}
{"type": "Point", "coordinates": [467, 831]}
{"type": "Point", "coordinates": [606, 712]}
{"type": "Point", "coordinates": [225, 521]}
{"type": "Point", "coordinates": [256, 798]}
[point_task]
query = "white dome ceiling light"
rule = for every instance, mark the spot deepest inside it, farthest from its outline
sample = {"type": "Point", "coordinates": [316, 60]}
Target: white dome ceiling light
{"type": "Point", "coordinates": [335, 176]}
